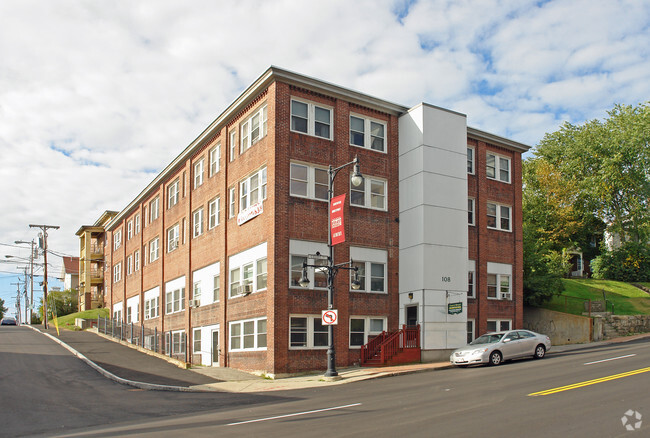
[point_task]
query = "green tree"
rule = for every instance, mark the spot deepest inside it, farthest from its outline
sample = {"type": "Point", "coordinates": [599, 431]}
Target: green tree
{"type": "Point", "coordinates": [3, 309]}
{"type": "Point", "coordinates": [64, 302]}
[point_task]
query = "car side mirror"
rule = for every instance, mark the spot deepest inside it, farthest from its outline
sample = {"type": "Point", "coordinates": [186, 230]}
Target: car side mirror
{"type": "Point", "coordinates": [507, 340]}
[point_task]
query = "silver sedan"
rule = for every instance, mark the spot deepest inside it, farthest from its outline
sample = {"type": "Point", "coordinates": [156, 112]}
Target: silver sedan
{"type": "Point", "coordinates": [494, 348]}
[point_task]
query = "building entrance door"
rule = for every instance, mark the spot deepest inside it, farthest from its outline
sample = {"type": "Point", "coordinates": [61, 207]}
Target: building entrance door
{"type": "Point", "coordinates": [215, 348]}
{"type": "Point", "coordinates": [411, 316]}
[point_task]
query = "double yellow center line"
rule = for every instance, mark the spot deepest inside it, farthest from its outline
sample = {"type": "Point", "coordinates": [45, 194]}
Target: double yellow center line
{"type": "Point", "coordinates": [589, 382]}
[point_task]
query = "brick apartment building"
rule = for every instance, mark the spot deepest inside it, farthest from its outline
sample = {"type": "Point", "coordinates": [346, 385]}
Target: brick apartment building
{"type": "Point", "coordinates": [212, 249]}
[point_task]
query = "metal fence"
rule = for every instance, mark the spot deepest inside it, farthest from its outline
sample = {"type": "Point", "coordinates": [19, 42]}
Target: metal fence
{"type": "Point", "coordinates": [170, 343]}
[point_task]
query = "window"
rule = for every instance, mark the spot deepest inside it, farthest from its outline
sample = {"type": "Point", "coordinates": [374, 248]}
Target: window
{"type": "Point", "coordinates": [117, 239]}
{"type": "Point", "coordinates": [308, 181]}
{"type": "Point", "coordinates": [471, 279]}
{"type": "Point", "coordinates": [252, 190]}
{"type": "Point", "coordinates": [248, 271]}
{"type": "Point", "coordinates": [177, 342]}
{"type": "Point", "coordinates": [371, 264]}
{"type": "Point", "coordinates": [499, 286]}
{"type": "Point", "coordinates": [498, 325]}
{"type": "Point", "coordinates": [172, 193]}
{"type": "Point", "coordinates": [470, 330]}
{"type": "Point", "coordinates": [498, 217]}
{"type": "Point", "coordinates": [370, 194]}
{"type": "Point", "coordinates": [363, 329]}
{"type": "Point", "coordinates": [129, 265]}
{"type": "Point", "coordinates": [213, 213]}
{"type": "Point", "coordinates": [196, 338]}
{"type": "Point", "coordinates": [137, 223]}
{"type": "Point", "coordinates": [198, 173]}
{"type": "Point", "coordinates": [367, 133]}
{"type": "Point", "coordinates": [172, 238]}
{"type": "Point", "coordinates": [136, 260]}
{"type": "Point", "coordinates": [175, 300]}
{"type": "Point", "coordinates": [216, 287]}
{"type": "Point", "coordinates": [117, 272]}
{"type": "Point", "coordinates": [129, 230]}
{"type": "Point", "coordinates": [233, 144]}
{"type": "Point", "coordinates": [307, 331]}
{"type": "Point", "coordinates": [261, 274]}
{"type": "Point", "coordinates": [248, 334]}
{"type": "Point", "coordinates": [310, 118]}
{"type": "Point", "coordinates": [129, 314]}
{"type": "Point", "coordinates": [196, 292]}
{"type": "Point", "coordinates": [231, 203]}
{"type": "Point", "coordinates": [153, 250]}
{"type": "Point", "coordinates": [470, 160]}
{"type": "Point", "coordinates": [317, 277]}
{"type": "Point", "coordinates": [498, 168]}
{"type": "Point", "coordinates": [235, 288]}
{"type": "Point", "coordinates": [215, 156]}
{"type": "Point", "coordinates": [198, 222]}
{"type": "Point", "coordinates": [153, 210]}
{"type": "Point", "coordinates": [253, 129]}
{"type": "Point", "coordinates": [470, 211]}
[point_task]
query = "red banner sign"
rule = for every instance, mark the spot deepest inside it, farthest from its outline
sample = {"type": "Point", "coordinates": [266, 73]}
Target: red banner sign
{"type": "Point", "coordinates": [336, 219]}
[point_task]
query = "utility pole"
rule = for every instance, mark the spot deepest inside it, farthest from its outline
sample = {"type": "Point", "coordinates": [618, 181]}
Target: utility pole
{"type": "Point", "coordinates": [44, 229]}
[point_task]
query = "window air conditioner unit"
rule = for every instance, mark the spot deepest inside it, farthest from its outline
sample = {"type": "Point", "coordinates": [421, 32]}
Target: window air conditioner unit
{"type": "Point", "coordinates": [194, 304]}
{"type": "Point", "coordinates": [506, 295]}
{"type": "Point", "coordinates": [173, 245]}
{"type": "Point", "coordinates": [247, 288]}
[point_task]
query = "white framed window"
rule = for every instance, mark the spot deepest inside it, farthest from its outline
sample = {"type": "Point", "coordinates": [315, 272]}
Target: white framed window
{"type": "Point", "coordinates": [248, 334]}
{"type": "Point", "coordinates": [498, 216]}
{"type": "Point", "coordinates": [133, 310]}
{"type": "Point", "coordinates": [117, 272]}
{"type": "Point", "coordinates": [117, 239]}
{"type": "Point", "coordinates": [307, 181]}
{"type": "Point", "coordinates": [117, 314]}
{"type": "Point", "coordinates": [298, 252]}
{"type": "Point", "coordinates": [153, 209]}
{"type": "Point", "coordinates": [367, 133]}
{"type": "Point", "coordinates": [497, 167]}
{"type": "Point", "coordinates": [470, 160]}
{"type": "Point", "coordinates": [232, 197]}
{"type": "Point", "coordinates": [196, 341]}
{"type": "Point", "coordinates": [129, 230]}
{"type": "Point", "coordinates": [172, 193]}
{"type": "Point", "coordinates": [253, 189]}
{"type": "Point", "coordinates": [129, 265]}
{"type": "Point", "coordinates": [311, 118]}
{"type": "Point", "coordinates": [307, 332]}
{"type": "Point", "coordinates": [136, 260]}
{"type": "Point", "coordinates": [175, 300]}
{"type": "Point", "coordinates": [253, 129]}
{"type": "Point", "coordinates": [215, 157]}
{"type": "Point", "coordinates": [173, 238]}
{"type": "Point", "coordinates": [248, 271]}
{"type": "Point", "coordinates": [196, 291]}
{"type": "Point", "coordinates": [499, 283]}
{"type": "Point", "coordinates": [153, 250]}
{"type": "Point", "coordinates": [233, 144]}
{"type": "Point", "coordinates": [470, 211]}
{"type": "Point", "coordinates": [471, 279]}
{"type": "Point", "coordinates": [372, 269]}
{"type": "Point", "coordinates": [214, 208]}
{"type": "Point", "coordinates": [177, 341]}
{"type": "Point", "coordinates": [371, 193]}
{"type": "Point", "coordinates": [216, 288]}
{"type": "Point", "coordinates": [198, 173]}
{"type": "Point", "coordinates": [498, 325]}
{"type": "Point", "coordinates": [471, 332]}
{"type": "Point", "coordinates": [364, 328]}
{"type": "Point", "coordinates": [204, 280]}
{"type": "Point", "coordinates": [137, 223]}
{"type": "Point", "coordinates": [197, 222]}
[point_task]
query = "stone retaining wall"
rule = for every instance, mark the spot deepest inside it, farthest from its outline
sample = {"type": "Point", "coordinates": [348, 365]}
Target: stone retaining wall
{"type": "Point", "coordinates": [629, 324]}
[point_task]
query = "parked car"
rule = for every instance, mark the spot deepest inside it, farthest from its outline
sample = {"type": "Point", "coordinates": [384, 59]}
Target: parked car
{"type": "Point", "coordinates": [494, 348]}
{"type": "Point", "coordinates": [8, 320]}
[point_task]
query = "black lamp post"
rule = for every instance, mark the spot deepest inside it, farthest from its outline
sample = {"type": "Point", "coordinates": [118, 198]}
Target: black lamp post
{"type": "Point", "coordinates": [332, 269]}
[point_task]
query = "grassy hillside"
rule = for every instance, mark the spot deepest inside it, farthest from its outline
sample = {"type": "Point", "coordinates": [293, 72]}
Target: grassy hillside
{"type": "Point", "coordinates": [624, 299]}
{"type": "Point", "coordinates": [67, 321]}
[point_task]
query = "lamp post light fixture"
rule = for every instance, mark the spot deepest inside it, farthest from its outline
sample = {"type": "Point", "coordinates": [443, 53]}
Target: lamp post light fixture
{"type": "Point", "coordinates": [356, 179]}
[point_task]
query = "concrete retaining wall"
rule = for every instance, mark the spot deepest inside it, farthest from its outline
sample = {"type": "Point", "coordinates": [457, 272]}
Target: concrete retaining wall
{"type": "Point", "coordinates": [562, 328]}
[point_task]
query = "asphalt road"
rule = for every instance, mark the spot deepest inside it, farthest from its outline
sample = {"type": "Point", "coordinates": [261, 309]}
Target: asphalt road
{"type": "Point", "coordinates": [64, 397]}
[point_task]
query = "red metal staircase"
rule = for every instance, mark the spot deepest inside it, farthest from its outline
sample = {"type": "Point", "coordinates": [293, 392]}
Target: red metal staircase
{"type": "Point", "coordinates": [392, 348]}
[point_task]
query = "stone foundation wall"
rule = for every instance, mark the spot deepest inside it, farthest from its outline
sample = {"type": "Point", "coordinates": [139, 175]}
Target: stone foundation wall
{"type": "Point", "coordinates": [629, 324]}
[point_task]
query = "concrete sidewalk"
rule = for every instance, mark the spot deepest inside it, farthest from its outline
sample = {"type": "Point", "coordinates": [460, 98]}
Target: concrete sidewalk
{"type": "Point", "coordinates": [127, 365]}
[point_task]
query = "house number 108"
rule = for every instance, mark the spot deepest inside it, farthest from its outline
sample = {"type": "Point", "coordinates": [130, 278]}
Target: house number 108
{"type": "Point", "coordinates": [446, 279]}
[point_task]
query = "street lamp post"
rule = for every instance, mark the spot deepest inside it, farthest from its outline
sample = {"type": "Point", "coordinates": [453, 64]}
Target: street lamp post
{"type": "Point", "coordinates": [31, 279]}
{"type": "Point", "coordinates": [332, 268]}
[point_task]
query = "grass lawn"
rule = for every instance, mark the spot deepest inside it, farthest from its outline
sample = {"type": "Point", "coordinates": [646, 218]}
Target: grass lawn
{"type": "Point", "coordinates": [67, 321]}
{"type": "Point", "coordinates": [625, 298]}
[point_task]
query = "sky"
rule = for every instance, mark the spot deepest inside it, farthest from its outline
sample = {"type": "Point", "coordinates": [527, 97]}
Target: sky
{"type": "Point", "coordinates": [98, 96]}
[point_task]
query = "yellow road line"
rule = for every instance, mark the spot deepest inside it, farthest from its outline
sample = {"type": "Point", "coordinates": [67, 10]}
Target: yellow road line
{"type": "Point", "coordinates": [590, 382]}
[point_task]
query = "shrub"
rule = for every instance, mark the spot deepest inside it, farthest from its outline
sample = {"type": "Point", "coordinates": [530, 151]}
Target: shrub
{"type": "Point", "coordinates": [629, 263]}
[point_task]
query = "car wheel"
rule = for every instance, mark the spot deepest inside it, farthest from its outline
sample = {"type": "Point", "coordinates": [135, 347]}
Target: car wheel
{"type": "Point", "coordinates": [540, 352]}
{"type": "Point", "coordinates": [495, 358]}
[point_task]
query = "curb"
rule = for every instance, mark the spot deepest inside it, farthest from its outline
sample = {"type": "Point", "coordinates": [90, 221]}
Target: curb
{"type": "Point", "coordinates": [109, 375]}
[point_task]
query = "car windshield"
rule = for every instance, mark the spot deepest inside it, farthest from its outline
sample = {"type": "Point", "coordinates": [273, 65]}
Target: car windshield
{"type": "Point", "coordinates": [487, 339]}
